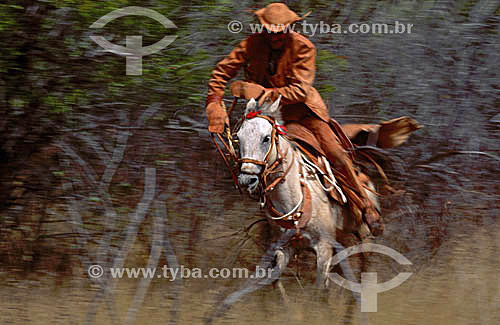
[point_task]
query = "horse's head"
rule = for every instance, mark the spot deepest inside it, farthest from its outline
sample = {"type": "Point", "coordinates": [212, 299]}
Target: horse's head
{"type": "Point", "coordinates": [257, 138]}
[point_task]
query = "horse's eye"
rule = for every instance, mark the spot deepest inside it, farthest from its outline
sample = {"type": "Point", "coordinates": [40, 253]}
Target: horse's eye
{"type": "Point", "coordinates": [266, 139]}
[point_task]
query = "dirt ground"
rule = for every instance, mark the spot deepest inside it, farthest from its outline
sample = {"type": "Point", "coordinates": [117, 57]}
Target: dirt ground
{"type": "Point", "coordinates": [458, 284]}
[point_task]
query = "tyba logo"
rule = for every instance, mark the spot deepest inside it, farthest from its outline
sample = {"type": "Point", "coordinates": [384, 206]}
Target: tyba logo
{"type": "Point", "coordinates": [369, 288]}
{"type": "Point", "coordinates": [133, 51]}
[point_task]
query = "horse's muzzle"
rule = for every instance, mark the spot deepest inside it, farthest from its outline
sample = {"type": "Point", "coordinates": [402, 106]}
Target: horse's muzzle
{"type": "Point", "coordinates": [249, 181]}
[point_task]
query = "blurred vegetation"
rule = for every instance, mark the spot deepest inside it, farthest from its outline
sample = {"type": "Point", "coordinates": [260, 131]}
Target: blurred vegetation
{"type": "Point", "coordinates": [57, 85]}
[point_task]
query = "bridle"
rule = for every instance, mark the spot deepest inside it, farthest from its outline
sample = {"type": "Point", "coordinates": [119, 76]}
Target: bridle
{"type": "Point", "coordinates": [269, 167]}
{"type": "Point", "coordinates": [297, 217]}
{"type": "Point", "coordinates": [300, 214]}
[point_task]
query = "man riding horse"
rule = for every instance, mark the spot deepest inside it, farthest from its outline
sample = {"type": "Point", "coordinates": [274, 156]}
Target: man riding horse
{"type": "Point", "coordinates": [277, 62]}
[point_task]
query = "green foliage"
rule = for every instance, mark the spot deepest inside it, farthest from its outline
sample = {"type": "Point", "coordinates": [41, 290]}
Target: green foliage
{"type": "Point", "coordinates": [328, 61]}
{"type": "Point", "coordinates": [17, 103]}
{"type": "Point", "coordinates": [8, 13]}
{"type": "Point", "coordinates": [56, 103]}
{"type": "Point", "coordinates": [54, 64]}
{"type": "Point", "coordinates": [466, 7]}
{"type": "Point", "coordinates": [328, 65]}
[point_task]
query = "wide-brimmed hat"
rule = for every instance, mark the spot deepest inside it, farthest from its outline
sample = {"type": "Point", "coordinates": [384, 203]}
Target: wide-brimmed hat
{"type": "Point", "coordinates": [277, 16]}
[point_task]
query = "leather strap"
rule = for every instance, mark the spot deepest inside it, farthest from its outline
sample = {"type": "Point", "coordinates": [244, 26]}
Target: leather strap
{"type": "Point", "coordinates": [306, 207]}
{"type": "Point", "coordinates": [236, 183]}
{"type": "Point", "coordinates": [251, 161]}
{"type": "Point", "coordinates": [299, 219]}
{"type": "Point", "coordinates": [373, 137]}
{"type": "Point", "coordinates": [344, 140]}
{"type": "Point", "coordinates": [374, 163]}
{"type": "Point", "coordinates": [279, 179]}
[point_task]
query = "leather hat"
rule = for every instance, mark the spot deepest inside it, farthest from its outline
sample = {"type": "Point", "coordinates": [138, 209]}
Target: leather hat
{"type": "Point", "coordinates": [277, 16]}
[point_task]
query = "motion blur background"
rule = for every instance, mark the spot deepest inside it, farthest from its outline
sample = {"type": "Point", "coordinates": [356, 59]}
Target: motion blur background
{"type": "Point", "coordinates": [77, 136]}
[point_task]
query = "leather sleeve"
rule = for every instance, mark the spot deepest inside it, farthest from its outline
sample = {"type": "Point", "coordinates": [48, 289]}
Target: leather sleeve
{"type": "Point", "coordinates": [302, 77]}
{"type": "Point", "coordinates": [227, 69]}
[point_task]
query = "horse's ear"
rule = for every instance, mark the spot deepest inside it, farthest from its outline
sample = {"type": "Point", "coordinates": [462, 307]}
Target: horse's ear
{"type": "Point", "coordinates": [276, 112]}
{"type": "Point", "coordinates": [272, 109]}
{"type": "Point", "coordinates": [274, 106]}
{"type": "Point", "coordinates": [250, 106]}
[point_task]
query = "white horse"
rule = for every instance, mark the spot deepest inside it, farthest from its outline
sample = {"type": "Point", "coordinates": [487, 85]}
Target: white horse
{"type": "Point", "coordinates": [262, 148]}
{"type": "Point", "coordinates": [274, 170]}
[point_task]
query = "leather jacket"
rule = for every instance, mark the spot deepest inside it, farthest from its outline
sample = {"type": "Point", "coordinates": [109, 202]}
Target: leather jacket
{"type": "Point", "coordinates": [293, 76]}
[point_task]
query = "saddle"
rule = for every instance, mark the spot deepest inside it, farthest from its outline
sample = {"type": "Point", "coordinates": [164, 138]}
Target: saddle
{"type": "Point", "coordinates": [387, 134]}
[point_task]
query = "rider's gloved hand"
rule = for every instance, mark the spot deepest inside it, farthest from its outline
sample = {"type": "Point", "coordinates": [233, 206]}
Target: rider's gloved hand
{"type": "Point", "coordinates": [247, 90]}
{"type": "Point", "coordinates": [270, 94]}
{"type": "Point", "coordinates": [217, 116]}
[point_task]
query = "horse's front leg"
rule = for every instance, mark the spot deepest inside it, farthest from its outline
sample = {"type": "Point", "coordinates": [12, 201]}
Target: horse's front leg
{"type": "Point", "coordinates": [282, 257]}
{"type": "Point", "coordinates": [324, 252]}
{"type": "Point", "coordinates": [274, 261]}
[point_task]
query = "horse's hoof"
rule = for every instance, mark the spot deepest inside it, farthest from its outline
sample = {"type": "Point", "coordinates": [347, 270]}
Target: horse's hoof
{"type": "Point", "coordinates": [279, 256]}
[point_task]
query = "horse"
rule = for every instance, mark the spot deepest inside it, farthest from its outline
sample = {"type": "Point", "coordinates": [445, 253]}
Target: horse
{"type": "Point", "coordinates": [275, 171]}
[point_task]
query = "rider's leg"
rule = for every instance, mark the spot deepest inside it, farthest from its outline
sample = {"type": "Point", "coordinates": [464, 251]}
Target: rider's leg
{"type": "Point", "coordinates": [336, 154]}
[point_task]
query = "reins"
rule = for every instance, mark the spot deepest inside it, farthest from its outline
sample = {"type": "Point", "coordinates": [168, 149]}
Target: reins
{"type": "Point", "coordinates": [229, 147]}
{"type": "Point", "coordinates": [231, 153]}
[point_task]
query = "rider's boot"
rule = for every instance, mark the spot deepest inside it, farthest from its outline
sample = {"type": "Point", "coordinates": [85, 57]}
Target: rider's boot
{"type": "Point", "coordinates": [361, 206]}
{"type": "Point", "coordinates": [365, 209]}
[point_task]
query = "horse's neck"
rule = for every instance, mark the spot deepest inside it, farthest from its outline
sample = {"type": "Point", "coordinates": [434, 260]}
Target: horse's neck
{"type": "Point", "coordinates": [287, 193]}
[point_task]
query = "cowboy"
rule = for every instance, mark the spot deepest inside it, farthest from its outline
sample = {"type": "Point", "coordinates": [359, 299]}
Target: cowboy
{"type": "Point", "coordinates": [277, 62]}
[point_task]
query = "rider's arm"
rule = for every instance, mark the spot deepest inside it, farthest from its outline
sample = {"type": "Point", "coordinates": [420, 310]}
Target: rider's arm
{"type": "Point", "coordinates": [225, 71]}
{"type": "Point", "coordinates": [302, 76]}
